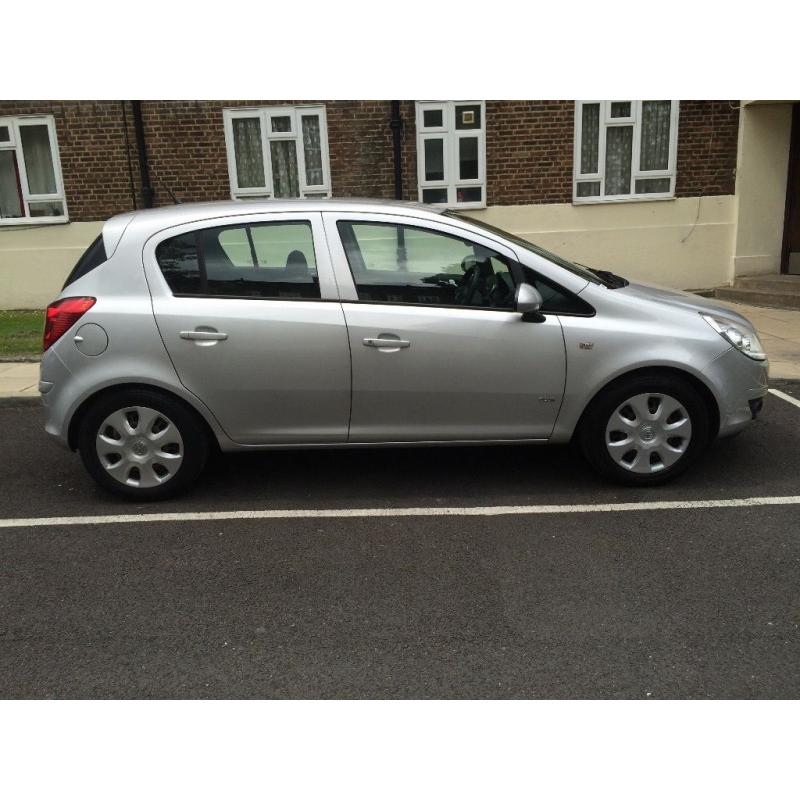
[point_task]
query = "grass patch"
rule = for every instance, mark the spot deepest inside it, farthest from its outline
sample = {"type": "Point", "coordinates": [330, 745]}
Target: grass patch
{"type": "Point", "coordinates": [21, 333]}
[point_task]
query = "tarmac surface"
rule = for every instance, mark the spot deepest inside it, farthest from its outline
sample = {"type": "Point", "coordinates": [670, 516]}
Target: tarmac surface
{"type": "Point", "coordinates": [686, 602]}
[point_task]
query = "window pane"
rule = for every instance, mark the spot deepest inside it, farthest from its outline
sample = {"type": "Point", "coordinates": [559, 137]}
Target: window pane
{"type": "Point", "coordinates": [652, 185]}
{"type": "Point", "coordinates": [554, 298]}
{"type": "Point", "coordinates": [620, 109]}
{"type": "Point", "coordinates": [434, 195]}
{"type": "Point", "coordinates": [248, 154]}
{"type": "Point", "coordinates": [5, 133]}
{"type": "Point", "coordinates": [469, 194]}
{"type": "Point", "coordinates": [468, 157]}
{"type": "Point", "coordinates": [46, 208]}
{"type": "Point", "coordinates": [10, 197]}
{"type": "Point", "coordinates": [281, 124]}
{"type": "Point", "coordinates": [312, 149]}
{"type": "Point", "coordinates": [589, 189]}
{"type": "Point", "coordinates": [401, 264]}
{"type": "Point", "coordinates": [468, 117]}
{"type": "Point", "coordinates": [434, 159]}
{"type": "Point", "coordinates": [235, 247]}
{"type": "Point", "coordinates": [655, 134]}
{"type": "Point", "coordinates": [285, 261]}
{"type": "Point", "coordinates": [274, 242]}
{"type": "Point", "coordinates": [284, 169]}
{"type": "Point", "coordinates": [432, 118]}
{"type": "Point", "coordinates": [38, 159]}
{"type": "Point", "coordinates": [619, 142]}
{"type": "Point", "coordinates": [177, 258]}
{"type": "Point", "coordinates": [590, 137]}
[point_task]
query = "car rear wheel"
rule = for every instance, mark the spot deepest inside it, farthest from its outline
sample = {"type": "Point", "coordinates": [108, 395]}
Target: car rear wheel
{"type": "Point", "coordinates": [645, 430]}
{"type": "Point", "coordinates": [142, 444]}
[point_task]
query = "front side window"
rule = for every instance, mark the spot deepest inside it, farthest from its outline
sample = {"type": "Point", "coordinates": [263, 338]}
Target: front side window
{"type": "Point", "coordinates": [394, 263]}
{"type": "Point", "coordinates": [271, 260]}
{"type": "Point", "coordinates": [31, 188]}
{"type": "Point", "coordinates": [277, 152]}
{"type": "Point", "coordinates": [625, 150]}
{"type": "Point", "coordinates": [451, 153]}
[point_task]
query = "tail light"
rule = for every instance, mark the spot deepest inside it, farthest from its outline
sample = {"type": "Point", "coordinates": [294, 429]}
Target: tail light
{"type": "Point", "coordinates": [62, 315]}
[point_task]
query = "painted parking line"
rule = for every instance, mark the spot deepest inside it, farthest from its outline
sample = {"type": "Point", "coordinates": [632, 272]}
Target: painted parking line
{"type": "Point", "coordinates": [787, 397]}
{"type": "Point", "coordinates": [446, 511]}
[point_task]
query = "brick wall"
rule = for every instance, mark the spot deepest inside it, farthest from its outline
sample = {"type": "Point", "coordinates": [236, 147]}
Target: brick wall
{"type": "Point", "coordinates": [708, 132]}
{"type": "Point", "coordinates": [92, 148]}
{"type": "Point", "coordinates": [529, 150]}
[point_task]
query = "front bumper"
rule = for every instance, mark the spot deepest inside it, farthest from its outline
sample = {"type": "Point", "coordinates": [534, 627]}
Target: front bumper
{"type": "Point", "coordinates": [740, 385]}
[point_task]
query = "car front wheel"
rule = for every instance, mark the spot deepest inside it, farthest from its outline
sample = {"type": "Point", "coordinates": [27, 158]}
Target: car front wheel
{"type": "Point", "coordinates": [142, 444]}
{"type": "Point", "coordinates": [645, 430]}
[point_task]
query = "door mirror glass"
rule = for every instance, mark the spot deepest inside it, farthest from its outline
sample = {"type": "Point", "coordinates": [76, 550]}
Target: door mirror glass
{"type": "Point", "coordinates": [528, 300]}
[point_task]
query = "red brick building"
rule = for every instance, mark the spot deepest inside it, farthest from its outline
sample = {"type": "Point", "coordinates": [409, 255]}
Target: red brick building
{"type": "Point", "coordinates": [645, 187]}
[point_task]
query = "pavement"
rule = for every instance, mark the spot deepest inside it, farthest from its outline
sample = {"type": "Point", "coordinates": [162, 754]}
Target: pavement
{"type": "Point", "coordinates": [694, 600]}
{"type": "Point", "coordinates": [778, 329]}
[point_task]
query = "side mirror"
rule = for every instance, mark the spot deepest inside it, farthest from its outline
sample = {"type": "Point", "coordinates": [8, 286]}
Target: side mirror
{"type": "Point", "coordinates": [527, 299]}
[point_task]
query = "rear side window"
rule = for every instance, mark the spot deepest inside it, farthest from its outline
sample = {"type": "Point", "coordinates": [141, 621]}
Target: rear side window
{"type": "Point", "coordinates": [94, 256]}
{"type": "Point", "coordinates": [272, 260]}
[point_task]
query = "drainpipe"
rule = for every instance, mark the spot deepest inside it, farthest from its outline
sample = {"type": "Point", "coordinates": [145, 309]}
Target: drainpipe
{"type": "Point", "coordinates": [141, 147]}
{"type": "Point", "coordinates": [396, 124]}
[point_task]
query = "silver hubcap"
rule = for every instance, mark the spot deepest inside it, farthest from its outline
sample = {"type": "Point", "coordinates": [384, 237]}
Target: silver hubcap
{"type": "Point", "coordinates": [139, 446]}
{"type": "Point", "coordinates": [648, 433]}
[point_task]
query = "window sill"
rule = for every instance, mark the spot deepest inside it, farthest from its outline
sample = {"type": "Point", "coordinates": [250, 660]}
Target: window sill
{"type": "Point", "coordinates": [14, 222]}
{"type": "Point", "coordinates": [593, 201]}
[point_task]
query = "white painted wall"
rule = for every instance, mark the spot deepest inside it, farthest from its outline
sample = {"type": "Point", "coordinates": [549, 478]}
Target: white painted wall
{"type": "Point", "coordinates": [685, 243]}
{"type": "Point", "coordinates": [761, 174]}
{"type": "Point", "coordinates": [35, 260]}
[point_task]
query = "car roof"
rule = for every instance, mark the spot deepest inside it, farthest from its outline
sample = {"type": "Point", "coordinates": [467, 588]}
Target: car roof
{"type": "Point", "coordinates": [152, 220]}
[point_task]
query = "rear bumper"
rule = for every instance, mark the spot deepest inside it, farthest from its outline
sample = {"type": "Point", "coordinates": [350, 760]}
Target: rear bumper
{"type": "Point", "coordinates": [740, 385]}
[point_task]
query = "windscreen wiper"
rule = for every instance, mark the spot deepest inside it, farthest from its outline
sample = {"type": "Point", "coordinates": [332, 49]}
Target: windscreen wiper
{"type": "Point", "coordinates": [610, 279]}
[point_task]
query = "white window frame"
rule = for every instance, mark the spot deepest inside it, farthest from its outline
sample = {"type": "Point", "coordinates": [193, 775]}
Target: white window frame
{"type": "Point", "coordinates": [449, 135]}
{"type": "Point", "coordinates": [265, 114]}
{"type": "Point", "coordinates": [635, 120]}
{"type": "Point", "coordinates": [14, 124]}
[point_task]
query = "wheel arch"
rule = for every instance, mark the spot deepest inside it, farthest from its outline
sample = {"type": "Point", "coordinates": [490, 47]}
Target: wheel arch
{"type": "Point", "coordinates": [80, 413]}
{"type": "Point", "coordinates": [702, 389]}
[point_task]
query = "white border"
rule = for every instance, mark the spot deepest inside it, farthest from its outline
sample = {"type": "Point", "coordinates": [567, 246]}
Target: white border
{"type": "Point", "coordinates": [448, 133]}
{"type": "Point", "coordinates": [15, 144]}
{"type": "Point", "coordinates": [606, 121]}
{"type": "Point", "coordinates": [265, 115]}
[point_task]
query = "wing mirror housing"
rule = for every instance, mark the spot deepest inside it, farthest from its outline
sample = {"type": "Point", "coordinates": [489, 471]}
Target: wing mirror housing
{"type": "Point", "coordinates": [528, 302]}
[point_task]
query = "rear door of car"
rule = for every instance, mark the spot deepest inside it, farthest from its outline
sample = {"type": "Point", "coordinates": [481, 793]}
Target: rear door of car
{"type": "Point", "coordinates": [249, 312]}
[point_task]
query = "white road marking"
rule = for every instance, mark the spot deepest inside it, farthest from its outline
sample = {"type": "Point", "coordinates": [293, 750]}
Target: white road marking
{"type": "Point", "coordinates": [787, 397]}
{"type": "Point", "coordinates": [446, 511]}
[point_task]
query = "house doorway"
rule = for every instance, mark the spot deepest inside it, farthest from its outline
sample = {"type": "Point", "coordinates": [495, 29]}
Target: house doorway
{"type": "Point", "coordinates": [790, 257]}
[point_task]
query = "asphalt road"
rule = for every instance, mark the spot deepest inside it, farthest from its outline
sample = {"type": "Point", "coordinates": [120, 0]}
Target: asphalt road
{"type": "Point", "coordinates": [659, 604]}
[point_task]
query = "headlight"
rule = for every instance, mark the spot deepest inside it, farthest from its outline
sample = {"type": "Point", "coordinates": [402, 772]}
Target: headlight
{"type": "Point", "coordinates": [742, 338]}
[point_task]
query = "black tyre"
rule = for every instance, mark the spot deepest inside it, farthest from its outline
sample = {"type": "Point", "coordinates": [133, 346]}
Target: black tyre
{"type": "Point", "coordinates": [142, 444]}
{"type": "Point", "coordinates": [645, 430]}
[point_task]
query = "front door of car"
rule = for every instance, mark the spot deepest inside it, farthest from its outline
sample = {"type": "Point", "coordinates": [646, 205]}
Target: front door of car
{"type": "Point", "coordinates": [249, 314]}
{"type": "Point", "coordinates": [438, 352]}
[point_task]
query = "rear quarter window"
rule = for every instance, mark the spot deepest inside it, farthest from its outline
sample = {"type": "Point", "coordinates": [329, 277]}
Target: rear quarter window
{"type": "Point", "coordinates": [93, 257]}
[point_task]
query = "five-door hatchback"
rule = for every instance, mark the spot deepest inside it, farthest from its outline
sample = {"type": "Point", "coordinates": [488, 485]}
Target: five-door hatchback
{"type": "Point", "coordinates": [328, 323]}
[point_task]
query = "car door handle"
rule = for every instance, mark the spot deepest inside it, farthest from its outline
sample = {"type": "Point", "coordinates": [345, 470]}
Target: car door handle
{"type": "Point", "coordinates": [394, 343]}
{"type": "Point", "coordinates": [206, 336]}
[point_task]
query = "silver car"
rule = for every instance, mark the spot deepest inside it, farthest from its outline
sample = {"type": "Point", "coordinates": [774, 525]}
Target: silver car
{"type": "Point", "coordinates": [340, 323]}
